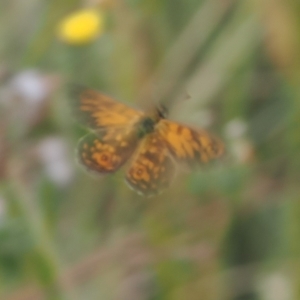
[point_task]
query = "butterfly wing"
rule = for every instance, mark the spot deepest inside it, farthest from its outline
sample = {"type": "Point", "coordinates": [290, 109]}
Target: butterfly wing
{"type": "Point", "coordinates": [114, 126]}
{"type": "Point", "coordinates": [189, 145]}
{"type": "Point", "coordinates": [98, 111]}
{"type": "Point", "coordinates": [108, 151]}
{"type": "Point", "coordinates": [152, 168]}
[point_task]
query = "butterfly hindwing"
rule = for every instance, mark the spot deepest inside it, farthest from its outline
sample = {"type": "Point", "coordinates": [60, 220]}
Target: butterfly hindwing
{"type": "Point", "coordinates": [152, 168]}
{"type": "Point", "coordinates": [108, 151]}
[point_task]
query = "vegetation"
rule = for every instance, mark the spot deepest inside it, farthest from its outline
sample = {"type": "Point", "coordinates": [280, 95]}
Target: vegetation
{"type": "Point", "coordinates": [229, 230]}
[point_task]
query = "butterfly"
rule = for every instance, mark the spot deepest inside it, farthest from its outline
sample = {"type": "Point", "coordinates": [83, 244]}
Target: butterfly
{"type": "Point", "coordinates": [151, 143]}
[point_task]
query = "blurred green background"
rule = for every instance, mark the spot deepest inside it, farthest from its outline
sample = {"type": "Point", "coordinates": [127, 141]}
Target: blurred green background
{"type": "Point", "coordinates": [230, 230]}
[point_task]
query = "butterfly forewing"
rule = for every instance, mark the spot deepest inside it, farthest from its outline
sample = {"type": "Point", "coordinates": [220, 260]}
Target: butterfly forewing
{"type": "Point", "coordinates": [97, 111]}
{"type": "Point", "coordinates": [187, 145]}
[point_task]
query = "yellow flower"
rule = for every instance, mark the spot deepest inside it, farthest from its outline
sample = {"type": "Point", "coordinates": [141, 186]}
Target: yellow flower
{"type": "Point", "coordinates": [81, 27]}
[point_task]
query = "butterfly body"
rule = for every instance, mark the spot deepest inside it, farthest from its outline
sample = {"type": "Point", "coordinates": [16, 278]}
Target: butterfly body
{"type": "Point", "coordinates": [146, 126]}
{"type": "Point", "coordinates": [150, 142]}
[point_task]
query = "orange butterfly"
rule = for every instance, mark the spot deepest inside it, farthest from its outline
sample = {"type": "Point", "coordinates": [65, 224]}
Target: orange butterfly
{"type": "Point", "coordinates": [153, 143]}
